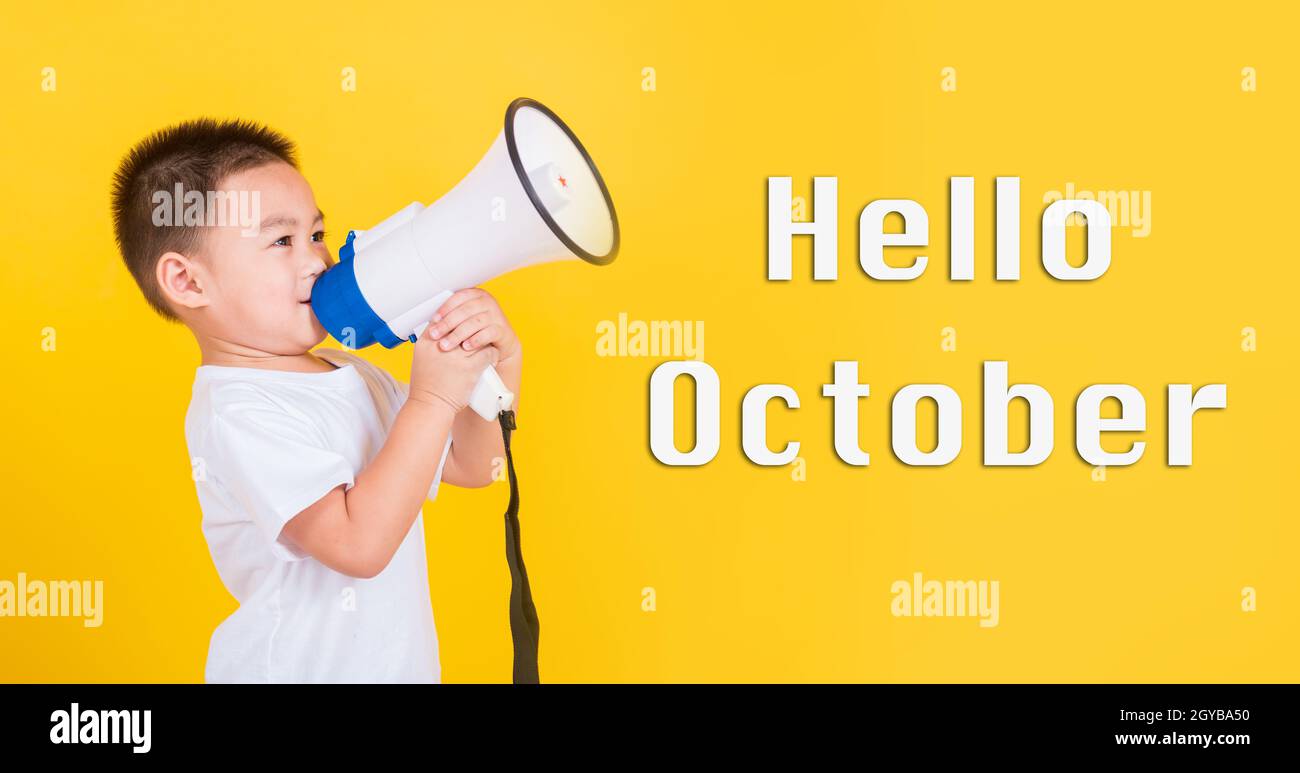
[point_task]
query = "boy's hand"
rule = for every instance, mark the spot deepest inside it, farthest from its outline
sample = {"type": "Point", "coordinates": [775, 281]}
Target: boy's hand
{"type": "Point", "coordinates": [472, 319]}
{"type": "Point", "coordinates": [446, 377]}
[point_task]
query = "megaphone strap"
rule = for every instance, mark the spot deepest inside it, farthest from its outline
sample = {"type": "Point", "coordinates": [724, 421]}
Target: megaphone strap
{"type": "Point", "coordinates": [524, 625]}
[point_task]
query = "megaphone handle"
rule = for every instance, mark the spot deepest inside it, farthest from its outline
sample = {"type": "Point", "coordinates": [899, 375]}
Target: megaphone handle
{"type": "Point", "coordinates": [490, 396]}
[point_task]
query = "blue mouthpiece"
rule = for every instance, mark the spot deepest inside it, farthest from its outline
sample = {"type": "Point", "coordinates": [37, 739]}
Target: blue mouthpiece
{"type": "Point", "coordinates": [342, 309]}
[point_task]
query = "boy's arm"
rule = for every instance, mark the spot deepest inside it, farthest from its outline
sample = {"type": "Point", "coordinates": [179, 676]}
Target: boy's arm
{"type": "Point", "coordinates": [357, 532]}
{"type": "Point", "coordinates": [478, 443]}
{"type": "Point", "coordinates": [472, 319]}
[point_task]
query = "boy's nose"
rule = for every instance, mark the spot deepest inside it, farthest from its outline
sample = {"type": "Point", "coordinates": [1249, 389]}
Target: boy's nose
{"type": "Point", "coordinates": [317, 266]}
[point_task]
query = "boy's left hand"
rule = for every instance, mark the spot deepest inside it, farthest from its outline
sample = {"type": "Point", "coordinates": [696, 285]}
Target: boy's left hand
{"type": "Point", "coordinates": [472, 319]}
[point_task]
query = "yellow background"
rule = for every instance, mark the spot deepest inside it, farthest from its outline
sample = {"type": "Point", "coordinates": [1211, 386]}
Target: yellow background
{"type": "Point", "coordinates": [758, 576]}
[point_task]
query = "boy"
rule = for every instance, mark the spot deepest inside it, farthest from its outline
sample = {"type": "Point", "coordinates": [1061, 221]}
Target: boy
{"type": "Point", "coordinates": [311, 467]}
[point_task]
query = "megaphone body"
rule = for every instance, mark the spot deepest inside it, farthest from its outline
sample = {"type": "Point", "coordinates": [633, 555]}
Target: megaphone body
{"type": "Point", "coordinates": [535, 197]}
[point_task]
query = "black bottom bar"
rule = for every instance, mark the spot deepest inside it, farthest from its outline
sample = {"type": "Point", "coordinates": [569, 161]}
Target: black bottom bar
{"type": "Point", "coordinates": [326, 722]}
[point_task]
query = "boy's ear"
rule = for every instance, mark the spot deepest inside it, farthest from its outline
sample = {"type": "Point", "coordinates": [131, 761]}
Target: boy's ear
{"type": "Point", "coordinates": [181, 281]}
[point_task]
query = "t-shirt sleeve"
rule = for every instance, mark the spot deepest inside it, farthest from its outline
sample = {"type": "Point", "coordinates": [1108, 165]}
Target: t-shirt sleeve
{"type": "Point", "coordinates": [275, 465]}
{"type": "Point", "coordinates": [401, 390]}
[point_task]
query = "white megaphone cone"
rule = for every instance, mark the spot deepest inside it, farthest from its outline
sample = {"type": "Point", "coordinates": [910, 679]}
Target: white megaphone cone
{"type": "Point", "coordinates": [535, 197]}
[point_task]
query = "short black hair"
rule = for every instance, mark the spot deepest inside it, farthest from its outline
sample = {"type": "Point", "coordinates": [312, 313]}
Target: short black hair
{"type": "Point", "coordinates": [197, 155]}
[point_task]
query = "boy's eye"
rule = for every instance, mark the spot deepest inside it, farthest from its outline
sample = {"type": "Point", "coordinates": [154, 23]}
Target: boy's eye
{"type": "Point", "coordinates": [319, 236]}
{"type": "Point", "coordinates": [283, 241]}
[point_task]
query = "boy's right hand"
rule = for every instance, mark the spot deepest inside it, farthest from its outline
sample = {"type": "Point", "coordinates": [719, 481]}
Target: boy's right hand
{"type": "Point", "coordinates": [446, 377]}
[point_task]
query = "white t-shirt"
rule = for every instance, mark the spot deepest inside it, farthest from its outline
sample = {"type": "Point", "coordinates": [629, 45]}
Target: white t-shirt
{"type": "Point", "coordinates": [264, 445]}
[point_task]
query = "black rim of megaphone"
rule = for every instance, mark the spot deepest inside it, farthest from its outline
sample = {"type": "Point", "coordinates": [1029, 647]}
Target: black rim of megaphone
{"type": "Point", "coordinates": [599, 260]}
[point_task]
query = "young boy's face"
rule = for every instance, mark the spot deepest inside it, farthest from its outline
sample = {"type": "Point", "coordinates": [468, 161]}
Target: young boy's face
{"type": "Point", "coordinates": [259, 284]}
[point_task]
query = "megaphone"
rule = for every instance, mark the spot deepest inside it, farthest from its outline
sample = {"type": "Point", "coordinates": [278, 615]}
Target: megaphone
{"type": "Point", "coordinates": [534, 197]}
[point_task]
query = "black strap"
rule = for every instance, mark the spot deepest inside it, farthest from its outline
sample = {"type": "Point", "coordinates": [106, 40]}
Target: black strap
{"type": "Point", "coordinates": [524, 626]}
